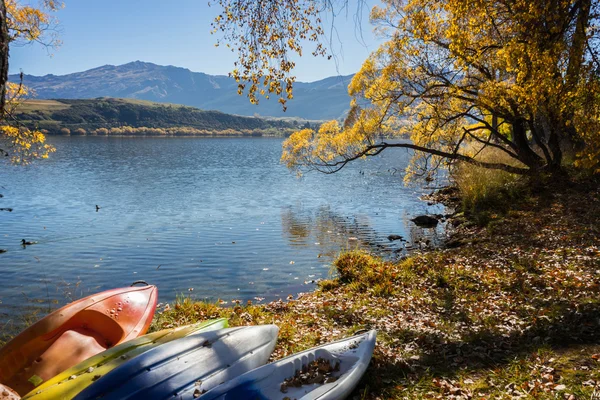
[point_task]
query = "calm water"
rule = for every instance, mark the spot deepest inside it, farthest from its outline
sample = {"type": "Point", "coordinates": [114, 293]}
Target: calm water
{"type": "Point", "coordinates": [218, 218]}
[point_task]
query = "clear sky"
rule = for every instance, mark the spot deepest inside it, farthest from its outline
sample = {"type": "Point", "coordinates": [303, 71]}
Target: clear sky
{"type": "Point", "coordinates": [99, 32]}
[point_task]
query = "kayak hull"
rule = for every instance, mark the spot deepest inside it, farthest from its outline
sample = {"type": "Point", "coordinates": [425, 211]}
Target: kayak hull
{"type": "Point", "coordinates": [69, 383]}
{"type": "Point", "coordinates": [85, 327]}
{"type": "Point", "coordinates": [186, 367]}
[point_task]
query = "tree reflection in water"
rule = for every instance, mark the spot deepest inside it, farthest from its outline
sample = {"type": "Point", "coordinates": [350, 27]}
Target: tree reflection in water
{"type": "Point", "coordinates": [334, 232]}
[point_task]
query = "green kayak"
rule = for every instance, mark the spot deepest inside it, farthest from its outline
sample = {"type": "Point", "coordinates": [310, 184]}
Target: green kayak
{"type": "Point", "coordinates": [72, 381]}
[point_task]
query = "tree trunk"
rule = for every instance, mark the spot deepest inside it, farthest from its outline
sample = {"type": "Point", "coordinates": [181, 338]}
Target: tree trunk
{"type": "Point", "coordinates": [4, 40]}
{"type": "Point", "coordinates": [555, 148]}
{"type": "Point", "coordinates": [526, 155]}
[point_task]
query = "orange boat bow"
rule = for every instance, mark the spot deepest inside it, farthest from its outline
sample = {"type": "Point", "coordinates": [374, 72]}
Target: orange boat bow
{"type": "Point", "coordinates": [74, 333]}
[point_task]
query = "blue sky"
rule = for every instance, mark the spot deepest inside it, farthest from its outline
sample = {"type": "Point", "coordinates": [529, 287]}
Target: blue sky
{"type": "Point", "coordinates": [99, 32]}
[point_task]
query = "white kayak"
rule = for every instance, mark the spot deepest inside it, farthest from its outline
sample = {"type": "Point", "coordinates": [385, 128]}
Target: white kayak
{"type": "Point", "coordinates": [186, 367]}
{"type": "Point", "coordinates": [327, 372]}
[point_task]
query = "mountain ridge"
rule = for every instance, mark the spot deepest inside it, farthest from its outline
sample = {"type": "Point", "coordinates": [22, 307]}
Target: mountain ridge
{"type": "Point", "coordinates": [326, 98]}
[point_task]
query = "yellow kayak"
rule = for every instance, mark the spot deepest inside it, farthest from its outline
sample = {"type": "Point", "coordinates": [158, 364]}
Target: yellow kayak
{"type": "Point", "coordinates": [72, 381]}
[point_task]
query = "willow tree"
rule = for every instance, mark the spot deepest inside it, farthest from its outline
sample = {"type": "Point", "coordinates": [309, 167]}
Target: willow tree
{"type": "Point", "coordinates": [264, 34]}
{"type": "Point", "coordinates": [519, 76]}
{"type": "Point", "coordinates": [22, 24]}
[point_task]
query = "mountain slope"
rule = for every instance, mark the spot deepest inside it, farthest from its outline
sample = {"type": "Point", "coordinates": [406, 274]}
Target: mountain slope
{"type": "Point", "coordinates": [324, 99]}
{"type": "Point", "coordinates": [109, 116]}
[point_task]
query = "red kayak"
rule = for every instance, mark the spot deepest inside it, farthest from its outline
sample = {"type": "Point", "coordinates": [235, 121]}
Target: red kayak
{"type": "Point", "coordinates": [74, 333]}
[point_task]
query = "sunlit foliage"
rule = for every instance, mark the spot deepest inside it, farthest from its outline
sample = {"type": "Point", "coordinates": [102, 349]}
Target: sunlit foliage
{"type": "Point", "coordinates": [17, 142]}
{"type": "Point", "coordinates": [265, 34]}
{"type": "Point", "coordinates": [27, 23]}
{"type": "Point", "coordinates": [23, 24]}
{"type": "Point", "coordinates": [520, 76]}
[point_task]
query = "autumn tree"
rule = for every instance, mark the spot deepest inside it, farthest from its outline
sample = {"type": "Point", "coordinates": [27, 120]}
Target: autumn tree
{"type": "Point", "coordinates": [458, 76]}
{"type": "Point", "coordinates": [265, 35]}
{"type": "Point", "coordinates": [22, 24]}
{"type": "Point", "coordinates": [4, 41]}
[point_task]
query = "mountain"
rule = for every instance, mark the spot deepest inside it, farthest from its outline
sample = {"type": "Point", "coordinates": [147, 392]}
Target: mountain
{"type": "Point", "coordinates": [324, 99]}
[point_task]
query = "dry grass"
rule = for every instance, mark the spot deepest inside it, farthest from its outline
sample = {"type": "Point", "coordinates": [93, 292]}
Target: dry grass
{"type": "Point", "coordinates": [42, 105]}
{"type": "Point", "coordinates": [484, 190]}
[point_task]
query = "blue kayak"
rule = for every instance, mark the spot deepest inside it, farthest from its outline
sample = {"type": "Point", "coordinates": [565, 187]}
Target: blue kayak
{"type": "Point", "coordinates": [187, 367]}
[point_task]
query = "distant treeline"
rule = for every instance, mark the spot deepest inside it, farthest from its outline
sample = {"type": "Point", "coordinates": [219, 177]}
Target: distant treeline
{"type": "Point", "coordinates": [130, 117]}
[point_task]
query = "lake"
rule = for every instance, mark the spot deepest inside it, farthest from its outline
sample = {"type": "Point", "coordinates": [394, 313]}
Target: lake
{"type": "Point", "coordinates": [214, 218]}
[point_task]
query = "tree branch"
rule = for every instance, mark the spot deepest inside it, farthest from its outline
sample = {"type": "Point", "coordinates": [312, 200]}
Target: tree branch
{"type": "Point", "coordinates": [373, 150]}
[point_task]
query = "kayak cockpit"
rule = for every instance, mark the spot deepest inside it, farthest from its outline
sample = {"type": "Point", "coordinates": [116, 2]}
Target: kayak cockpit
{"type": "Point", "coordinates": [92, 322]}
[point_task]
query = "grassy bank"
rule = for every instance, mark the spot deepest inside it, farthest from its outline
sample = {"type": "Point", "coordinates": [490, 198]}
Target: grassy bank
{"type": "Point", "coordinates": [512, 312]}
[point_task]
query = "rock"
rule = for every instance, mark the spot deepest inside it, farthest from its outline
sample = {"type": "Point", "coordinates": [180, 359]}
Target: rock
{"type": "Point", "coordinates": [427, 221]}
{"type": "Point", "coordinates": [456, 222]}
{"type": "Point", "coordinates": [453, 244]}
{"type": "Point", "coordinates": [391, 238]}
{"type": "Point", "coordinates": [6, 209]}
{"type": "Point", "coordinates": [3, 251]}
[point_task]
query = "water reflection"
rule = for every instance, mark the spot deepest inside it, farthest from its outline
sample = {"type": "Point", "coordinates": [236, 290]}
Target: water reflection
{"type": "Point", "coordinates": [333, 231]}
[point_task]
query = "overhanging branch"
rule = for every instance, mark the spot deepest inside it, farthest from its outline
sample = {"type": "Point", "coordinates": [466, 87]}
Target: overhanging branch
{"type": "Point", "coordinates": [375, 149]}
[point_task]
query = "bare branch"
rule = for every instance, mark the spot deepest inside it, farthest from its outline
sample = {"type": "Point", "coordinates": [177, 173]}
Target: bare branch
{"type": "Point", "coordinates": [376, 149]}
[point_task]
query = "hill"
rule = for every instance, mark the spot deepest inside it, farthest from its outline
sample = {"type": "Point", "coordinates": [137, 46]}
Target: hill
{"type": "Point", "coordinates": [138, 117]}
{"type": "Point", "coordinates": [324, 99]}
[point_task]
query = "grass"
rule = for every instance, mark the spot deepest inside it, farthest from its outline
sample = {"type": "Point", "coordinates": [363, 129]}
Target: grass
{"type": "Point", "coordinates": [486, 193]}
{"type": "Point", "coordinates": [42, 105]}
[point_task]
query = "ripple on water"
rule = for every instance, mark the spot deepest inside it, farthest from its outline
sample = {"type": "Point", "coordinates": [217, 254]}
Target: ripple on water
{"type": "Point", "coordinates": [219, 215]}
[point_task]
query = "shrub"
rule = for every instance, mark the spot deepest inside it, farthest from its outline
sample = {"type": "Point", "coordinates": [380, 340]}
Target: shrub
{"type": "Point", "coordinates": [79, 131]}
{"type": "Point", "coordinates": [328, 284]}
{"type": "Point", "coordinates": [101, 131]}
{"type": "Point", "coordinates": [361, 272]}
{"type": "Point", "coordinates": [65, 131]}
{"type": "Point", "coordinates": [353, 265]}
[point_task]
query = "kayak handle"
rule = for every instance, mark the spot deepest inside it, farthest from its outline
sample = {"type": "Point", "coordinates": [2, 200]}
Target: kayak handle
{"type": "Point", "coordinates": [138, 282]}
{"type": "Point", "coordinates": [361, 331]}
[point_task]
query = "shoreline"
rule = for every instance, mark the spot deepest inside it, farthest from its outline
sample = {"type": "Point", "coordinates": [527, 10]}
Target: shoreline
{"type": "Point", "coordinates": [513, 309]}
